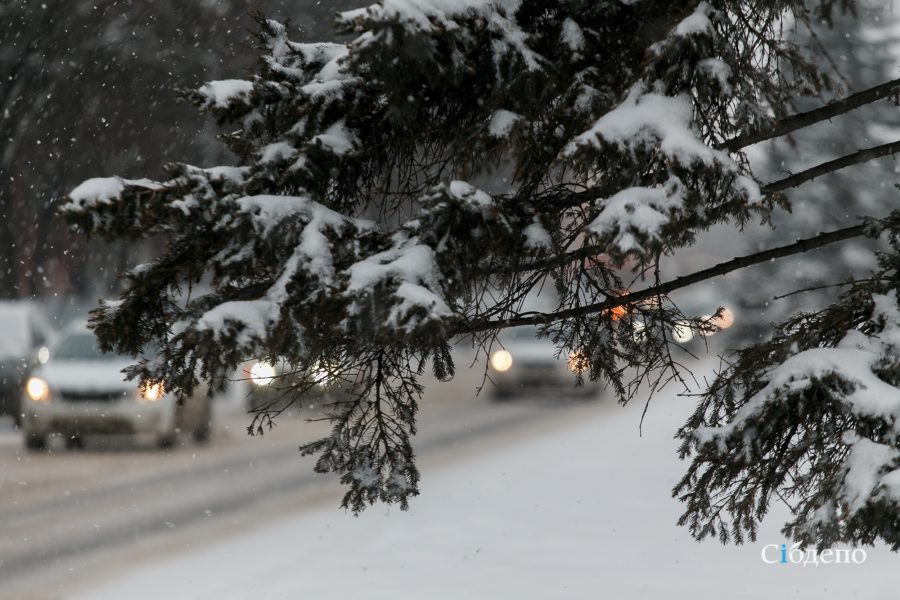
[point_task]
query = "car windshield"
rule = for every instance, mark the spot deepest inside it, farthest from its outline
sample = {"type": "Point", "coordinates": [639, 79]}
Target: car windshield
{"type": "Point", "coordinates": [82, 346]}
{"type": "Point", "coordinates": [15, 341]}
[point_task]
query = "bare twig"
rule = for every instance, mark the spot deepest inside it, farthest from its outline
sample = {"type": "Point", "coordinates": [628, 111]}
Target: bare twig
{"type": "Point", "coordinates": [798, 247]}
{"type": "Point", "coordinates": [816, 288]}
{"type": "Point", "coordinates": [802, 177]}
{"type": "Point", "coordinates": [799, 121]}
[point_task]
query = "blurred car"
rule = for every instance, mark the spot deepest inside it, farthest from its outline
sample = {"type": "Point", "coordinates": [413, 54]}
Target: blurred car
{"type": "Point", "coordinates": [81, 391]}
{"type": "Point", "coordinates": [526, 364]}
{"type": "Point", "coordinates": [269, 387]}
{"type": "Point", "coordinates": [25, 334]}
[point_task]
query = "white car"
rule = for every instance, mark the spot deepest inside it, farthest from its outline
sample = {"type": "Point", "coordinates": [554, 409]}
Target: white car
{"type": "Point", "coordinates": [26, 335]}
{"type": "Point", "coordinates": [82, 391]}
{"type": "Point", "coordinates": [525, 364]}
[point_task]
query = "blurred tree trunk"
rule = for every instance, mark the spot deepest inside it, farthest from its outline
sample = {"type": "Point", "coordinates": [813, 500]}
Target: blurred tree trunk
{"type": "Point", "coordinates": [82, 74]}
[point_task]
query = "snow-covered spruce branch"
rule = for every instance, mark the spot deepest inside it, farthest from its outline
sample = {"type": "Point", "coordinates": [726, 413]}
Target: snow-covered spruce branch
{"type": "Point", "coordinates": [808, 418]}
{"type": "Point", "coordinates": [370, 444]}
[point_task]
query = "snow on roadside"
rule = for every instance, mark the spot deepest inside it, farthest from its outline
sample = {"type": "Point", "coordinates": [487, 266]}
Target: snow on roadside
{"type": "Point", "coordinates": [580, 512]}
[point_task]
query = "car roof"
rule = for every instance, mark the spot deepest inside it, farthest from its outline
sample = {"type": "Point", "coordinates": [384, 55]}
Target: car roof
{"type": "Point", "coordinates": [17, 306]}
{"type": "Point", "coordinates": [77, 326]}
{"type": "Point", "coordinates": [19, 320]}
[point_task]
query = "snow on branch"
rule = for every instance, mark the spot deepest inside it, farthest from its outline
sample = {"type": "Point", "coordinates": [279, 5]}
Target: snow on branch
{"type": "Point", "coordinates": [651, 119]}
{"type": "Point", "coordinates": [221, 94]}
{"type": "Point", "coordinates": [697, 23]}
{"type": "Point", "coordinates": [429, 17]}
{"type": "Point", "coordinates": [102, 190]}
{"type": "Point", "coordinates": [424, 15]}
{"type": "Point", "coordinates": [636, 215]}
{"type": "Point", "coordinates": [413, 266]}
{"type": "Point", "coordinates": [811, 417]}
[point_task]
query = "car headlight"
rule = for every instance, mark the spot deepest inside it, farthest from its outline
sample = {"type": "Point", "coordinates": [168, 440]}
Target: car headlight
{"type": "Point", "coordinates": [717, 322]}
{"type": "Point", "coordinates": [708, 326]}
{"type": "Point", "coordinates": [501, 360]}
{"type": "Point", "coordinates": [262, 373]}
{"type": "Point", "coordinates": [682, 332]}
{"type": "Point", "coordinates": [322, 373]}
{"type": "Point", "coordinates": [37, 389]}
{"type": "Point", "coordinates": [152, 392]}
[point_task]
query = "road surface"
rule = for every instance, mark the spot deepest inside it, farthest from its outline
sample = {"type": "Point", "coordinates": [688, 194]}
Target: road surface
{"type": "Point", "coordinates": [71, 516]}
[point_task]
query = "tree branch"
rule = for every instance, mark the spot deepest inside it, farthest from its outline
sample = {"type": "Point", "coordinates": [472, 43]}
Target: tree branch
{"type": "Point", "coordinates": [801, 120]}
{"type": "Point", "coordinates": [549, 262]}
{"type": "Point", "coordinates": [798, 247]}
{"type": "Point", "coordinates": [816, 288]}
{"type": "Point", "coordinates": [828, 167]}
{"type": "Point", "coordinates": [792, 181]}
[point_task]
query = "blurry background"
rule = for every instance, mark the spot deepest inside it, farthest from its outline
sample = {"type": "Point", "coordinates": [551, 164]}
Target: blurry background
{"type": "Point", "coordinates": [860, 50]}
{"type": "Point", "coordinates": [87, 89]}
{"type": "Point", "coordinates": [523, 496]}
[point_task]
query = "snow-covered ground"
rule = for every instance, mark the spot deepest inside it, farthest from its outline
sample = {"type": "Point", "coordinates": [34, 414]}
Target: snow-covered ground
{"type": "Point", "coordinates": [579, 511]}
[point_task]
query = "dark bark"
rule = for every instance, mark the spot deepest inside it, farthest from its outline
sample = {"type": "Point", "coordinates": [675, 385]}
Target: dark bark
{"type": "Point", "coordinates": [833, 109]}
{"type": "Point", "coordinates": [831, 166]}
{"type": "Point", "coordinates": [798, 247]}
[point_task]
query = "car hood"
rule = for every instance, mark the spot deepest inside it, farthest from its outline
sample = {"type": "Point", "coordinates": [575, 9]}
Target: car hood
{"type": "Point", "coordinates": [86, 376]}
{"type": "Point", "coordinates": [536, 352]}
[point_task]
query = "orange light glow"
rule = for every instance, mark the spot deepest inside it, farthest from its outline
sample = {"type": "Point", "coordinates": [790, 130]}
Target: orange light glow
{"type": "Point", "coordinates": [724, 319]}
{"type": "Point", "coordinates": [578, 362]}
{"type": "Point", "coordinates": [618, 312]}
{"type": "Point", "coordinates": [152, 391]}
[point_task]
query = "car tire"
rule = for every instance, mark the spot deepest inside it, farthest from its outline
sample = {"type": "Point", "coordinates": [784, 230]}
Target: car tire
{"type": "Point", "coordinates": [166, 440]}
{"type": "Point", "coordinates": [202, 434]}
{"type": "Point", "coordinates": [74, 442]}
{"type": "Point", "coordinates": [35, 442]}
{"type": "Point", "coordinates": [502, 394]}
{"type": "Point", "coordinates": [200, 428]}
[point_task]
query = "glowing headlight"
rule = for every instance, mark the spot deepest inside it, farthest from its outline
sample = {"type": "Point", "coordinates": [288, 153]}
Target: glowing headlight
{"type": "Point", "coordinates": [321, 374]}
{"type": "Point", "coordinates": [682, 332]}
{"type": "Point", "coordinates": [501, 360]}
{"type": "Point", "coordinates": [37, 389]}
{"type": "Point", "coordinates": [708, 320]}
{"type": "Point", "coordinates": [152, 392]}
{"type": "Point", "coordinates": [262, 373]}
{"type": "Point", "coordinates": [722, 320]}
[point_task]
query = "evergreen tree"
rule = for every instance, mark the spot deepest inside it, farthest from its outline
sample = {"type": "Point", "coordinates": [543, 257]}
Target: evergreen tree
{"type": "Point", "coordinates": [352, 235]}
{"type": "Point", "coordinates": [77, 74]}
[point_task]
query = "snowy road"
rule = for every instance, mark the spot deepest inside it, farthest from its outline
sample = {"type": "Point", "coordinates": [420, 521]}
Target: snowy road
{"type": "Point", "coordinates": [67, 516]}
{"type": "Point", "coordinates": [574, 507]}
